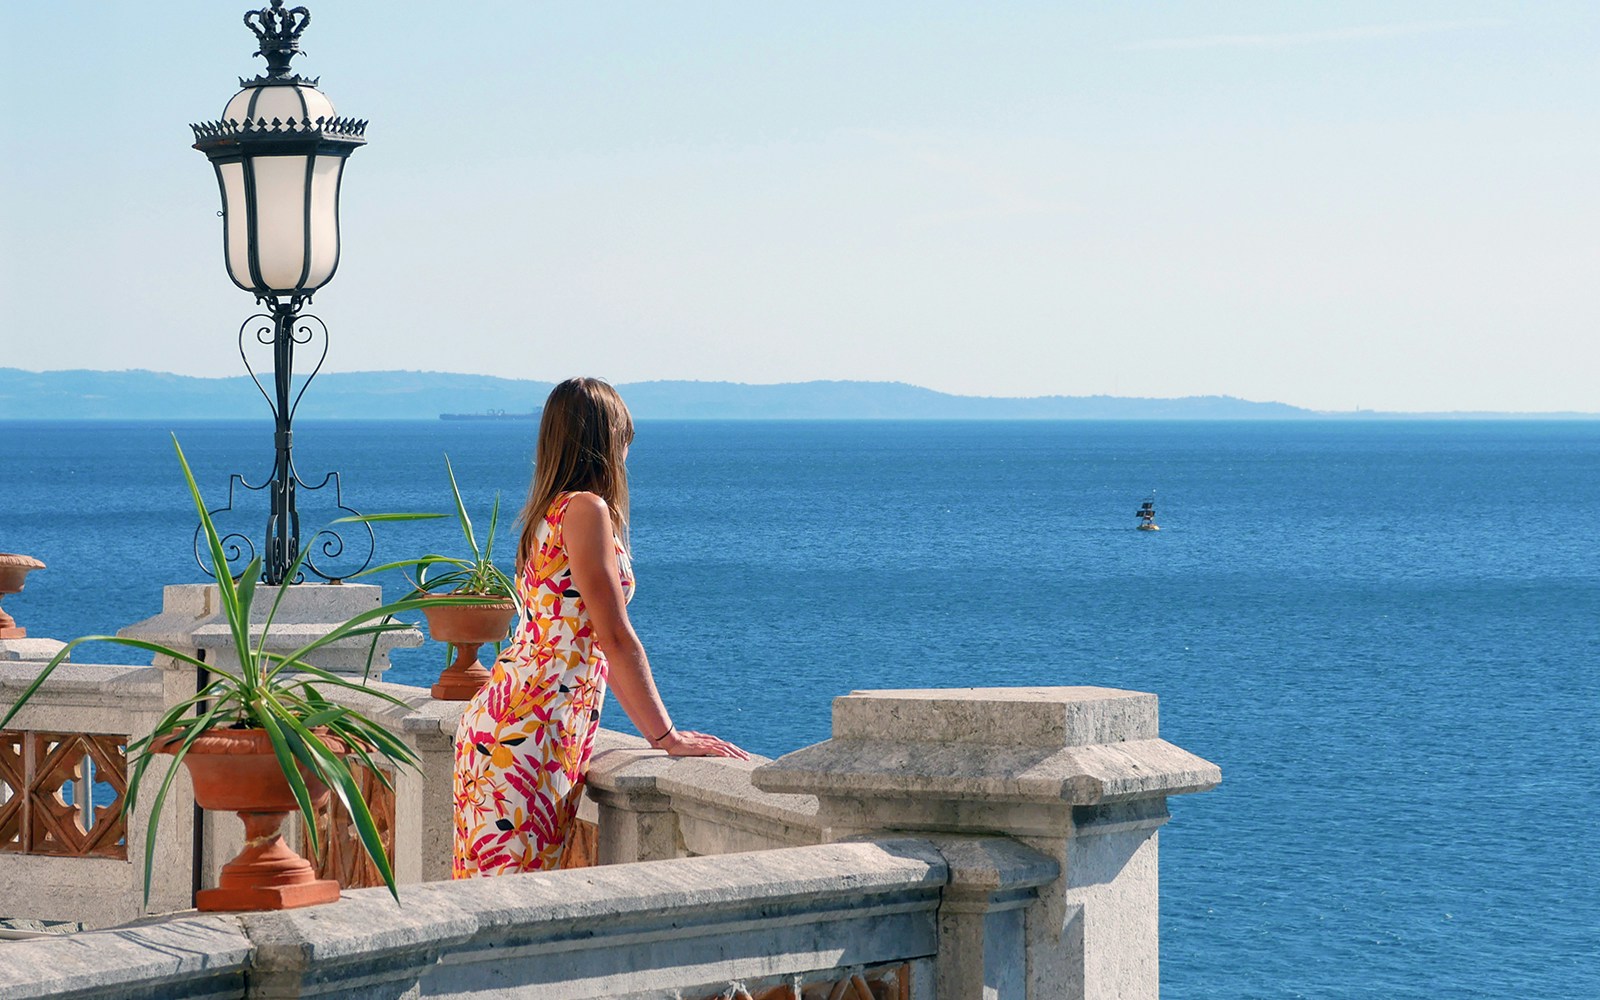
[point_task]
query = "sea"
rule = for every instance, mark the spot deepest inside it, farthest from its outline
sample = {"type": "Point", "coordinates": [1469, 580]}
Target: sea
{"type": "Point", "coordinates": [1385, 633]}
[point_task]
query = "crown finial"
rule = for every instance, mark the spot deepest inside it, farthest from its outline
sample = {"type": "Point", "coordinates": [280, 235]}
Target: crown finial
{"type": "Point", "coordinates": [278, 31]}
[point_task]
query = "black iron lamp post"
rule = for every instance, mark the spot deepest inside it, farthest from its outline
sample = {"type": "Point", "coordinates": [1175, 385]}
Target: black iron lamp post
{"type": "Point", "coordinates": [279, 152]}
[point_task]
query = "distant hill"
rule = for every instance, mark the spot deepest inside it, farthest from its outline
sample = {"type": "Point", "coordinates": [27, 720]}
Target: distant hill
{"type": "Point", "coordinates": [147, 395]}
{"type": "Point", "coordinates": [403, 395]}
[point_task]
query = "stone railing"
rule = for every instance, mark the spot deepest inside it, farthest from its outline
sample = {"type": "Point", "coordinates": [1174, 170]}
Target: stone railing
{"type": "Point", "coordinates": [980, 842]}
{"type": "Point", "coordinates": [65, 855]}
{"type": "Point", "coordinates": [769, 924]}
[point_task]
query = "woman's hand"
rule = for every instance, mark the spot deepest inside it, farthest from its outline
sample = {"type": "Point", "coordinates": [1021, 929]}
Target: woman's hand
{"type": "Point", "coordinates": [688, 743]}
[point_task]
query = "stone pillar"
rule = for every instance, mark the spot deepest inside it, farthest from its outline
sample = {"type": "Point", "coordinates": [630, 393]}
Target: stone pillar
{"type": "Point", "coordinates": [192, 621]}
{"type": "Point", "coordinates": [1077, 774]}
{"type": "Point", "coordinates": [431, 731]}
{"type": "Point", "coordinates": [636, 820]}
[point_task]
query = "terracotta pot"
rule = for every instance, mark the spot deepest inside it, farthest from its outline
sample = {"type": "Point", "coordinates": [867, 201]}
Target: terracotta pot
{"type": "Point", "coordinates": [467, 627]}
{"type": "Point", "coordinates": [13, 570]}
{"type": "Point", "coordinates": [235, 770]}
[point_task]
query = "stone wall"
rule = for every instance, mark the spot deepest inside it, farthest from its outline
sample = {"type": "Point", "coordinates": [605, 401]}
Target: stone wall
{"type": "Point", "coordinates": [768, 923]}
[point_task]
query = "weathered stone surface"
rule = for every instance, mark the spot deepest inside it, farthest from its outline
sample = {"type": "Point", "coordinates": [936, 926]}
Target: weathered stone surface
{"type": "Point", "coordinates": [689, 805]}
{"type": "Point", "coordinates": [192, 619]}
{"type": "Point", "coordinates": [994, 865]}
{"type": "Point", "coordinates": [29, 649]}
{"type": "Point", "coordinates": [117, 700]}
{"type": "Point", "coordinates": [366, 945]}
{"type": "Point", "coordinates": [997, 716]}
{"type": "Point", "coordinates": [650, 928]}
{"type": "Point", "coordinates": [173, 958]}
{"type": "Point", "coordinates": [21, 928]}
{"type": "Point", "coordinates": [1079, 775]}
{"type": "Point", "coordinates": [81, 686]}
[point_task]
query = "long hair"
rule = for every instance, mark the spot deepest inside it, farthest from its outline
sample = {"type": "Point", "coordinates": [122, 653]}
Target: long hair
{"type": "Point", "coordinates": [583, 434]}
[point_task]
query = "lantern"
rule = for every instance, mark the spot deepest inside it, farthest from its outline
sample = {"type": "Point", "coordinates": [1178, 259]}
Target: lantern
{"type": "Point", "coordinates": [279, 151]}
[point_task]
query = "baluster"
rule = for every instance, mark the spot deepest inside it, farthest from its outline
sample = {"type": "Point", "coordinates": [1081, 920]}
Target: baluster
{"type": "Point", "coordinates": [83, 793]}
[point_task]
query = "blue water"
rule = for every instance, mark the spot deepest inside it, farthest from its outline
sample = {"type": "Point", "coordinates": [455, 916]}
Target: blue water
{"type": "Point", "coordinates": [1385, 634]}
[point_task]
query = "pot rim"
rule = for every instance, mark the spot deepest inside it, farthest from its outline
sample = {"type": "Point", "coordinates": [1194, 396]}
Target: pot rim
{"type": "Point", "coordinates": [249, 741]}
{"type": "Point", "coordinates": [499, 604]}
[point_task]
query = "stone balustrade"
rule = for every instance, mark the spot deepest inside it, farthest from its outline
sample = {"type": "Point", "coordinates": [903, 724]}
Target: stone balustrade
{"type": "Point", "coordinates": [987, 842]}
{"type": "Point", "coordinates": [65, 854]}
{"type": "Point", "coordinates": [774, 923]}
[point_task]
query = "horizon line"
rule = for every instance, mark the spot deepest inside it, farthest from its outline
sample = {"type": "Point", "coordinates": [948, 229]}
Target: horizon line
{"type": "Point", "coordinates": [1308, 411]}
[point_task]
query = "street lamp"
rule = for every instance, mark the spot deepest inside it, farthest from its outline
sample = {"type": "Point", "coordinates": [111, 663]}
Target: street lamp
{"type": "Point", "coordinates": [279, 153]}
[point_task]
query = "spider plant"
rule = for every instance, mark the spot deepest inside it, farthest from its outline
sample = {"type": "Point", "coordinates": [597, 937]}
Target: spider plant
{"type": "Point", "coordinates": [456, 575]}
{"type": "Point", "coordinates": [280, 693]}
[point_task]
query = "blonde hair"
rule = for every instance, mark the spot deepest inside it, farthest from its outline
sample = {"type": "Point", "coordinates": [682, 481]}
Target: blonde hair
{"type": "Point", "coordinates": [584, 432]}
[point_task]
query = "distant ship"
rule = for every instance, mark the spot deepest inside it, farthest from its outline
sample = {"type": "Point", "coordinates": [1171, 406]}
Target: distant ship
{"type": "Point", "coordinates": [490, 415]}
{"type": "Point", "coordinates": [1147, 514]}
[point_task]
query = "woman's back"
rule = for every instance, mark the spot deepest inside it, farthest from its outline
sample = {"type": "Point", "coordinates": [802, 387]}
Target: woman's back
{"type": "Point", "coordinates": [523, 744]}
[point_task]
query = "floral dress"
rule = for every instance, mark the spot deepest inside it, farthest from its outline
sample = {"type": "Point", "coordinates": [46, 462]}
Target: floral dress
{"type": "Point", "coordinates": [523, 744]}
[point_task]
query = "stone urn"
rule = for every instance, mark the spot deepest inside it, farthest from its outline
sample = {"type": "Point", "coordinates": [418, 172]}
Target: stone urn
{"type": "Point", "coordinates": [235, 770]}
{"type": "Point", "coordinates": [467, 627]}
{"type": "Point", "coordinates": [13, 569]}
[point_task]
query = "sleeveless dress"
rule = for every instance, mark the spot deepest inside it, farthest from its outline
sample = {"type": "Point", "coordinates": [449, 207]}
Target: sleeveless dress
{"type": "Point", "coordinates": [523, 744]}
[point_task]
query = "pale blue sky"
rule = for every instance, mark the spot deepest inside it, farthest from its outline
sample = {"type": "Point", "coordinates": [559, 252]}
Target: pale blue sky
{"type": "Point", "coordinates": [1384, 205]}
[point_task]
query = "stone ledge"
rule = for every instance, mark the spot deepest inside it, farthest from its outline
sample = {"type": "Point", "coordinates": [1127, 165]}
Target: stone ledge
{"type": "Point", "coordinates": [718, 790]}
{"type": "Point", "coordinates": [89, 685]}
{"type": "Point", "coordinates": [192, 618]}
{"type": "Point", "coordinates": [176, 957]}
{"type": "Point", "coordinates": [668, 921]}
{"type": "Point", "coordinates": [28, 650]}
{"type": "Point", "coordinates": [1080, 775]}
{"type": "Point", "coordinates": [431, 717]}
{"type": "Point", "coordinates": [994, 864]}
{"type": "Point", "coordinates": [809, 875]}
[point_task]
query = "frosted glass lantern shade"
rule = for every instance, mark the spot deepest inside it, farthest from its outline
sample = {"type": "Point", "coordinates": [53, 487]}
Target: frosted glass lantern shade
{"type": "Point", "coordinates": [281, 220]}
{"type": "Point", "coordinates": [279, 155]}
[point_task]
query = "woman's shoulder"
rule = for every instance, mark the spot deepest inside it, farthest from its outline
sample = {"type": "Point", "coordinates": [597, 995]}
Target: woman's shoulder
{"type": "Point", "coordinates": [567, 499]}
{"type": "Point", "coordinates": [587, 506]}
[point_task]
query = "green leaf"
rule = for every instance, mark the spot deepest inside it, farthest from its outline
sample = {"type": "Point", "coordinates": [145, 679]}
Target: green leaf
{"type": "Point", "coordinates": [336, 775]}
{"type": "Point", "coordinates": [406, 563]}
{"type": "Point", "coordinates": [286, 755]}
{"type": "Point", "coordinates": [461, 509]}
{"type": "Point", "coordinates": [375, 518]}
{"type": "Point", "coordinates": [219, 559]}
{"type": "Point", "coordinates": [494, 523]}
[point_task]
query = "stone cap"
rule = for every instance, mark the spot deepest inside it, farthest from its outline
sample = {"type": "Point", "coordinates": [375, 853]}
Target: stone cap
{"type": "Point", "coordinates": [1065, 746]}
{"type": "Point", "coordinates": [998, 716]}
{"type": "Point", "coordinates": [1074, 776]}
{"type": "Point", "coordinates": [192, 617]}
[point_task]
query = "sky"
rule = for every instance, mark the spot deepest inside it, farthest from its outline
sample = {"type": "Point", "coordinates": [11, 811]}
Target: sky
{"type": "Point", "coordinates": [1336, 205]}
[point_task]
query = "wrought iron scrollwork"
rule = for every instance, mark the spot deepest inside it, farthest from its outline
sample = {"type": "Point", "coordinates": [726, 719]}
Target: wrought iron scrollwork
{"type": "Point", "coordinates": [284, 329]}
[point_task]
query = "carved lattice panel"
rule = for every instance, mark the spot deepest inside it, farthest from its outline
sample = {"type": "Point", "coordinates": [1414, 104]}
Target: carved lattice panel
{"type": "Point", "coordinates": [61, 794]}
{"type": "Point", "coordinates": [13, 790]}
{"type": "Point", "coordinates": [343, 858]}
{"type": "Point", "coordinates": [886, 983]}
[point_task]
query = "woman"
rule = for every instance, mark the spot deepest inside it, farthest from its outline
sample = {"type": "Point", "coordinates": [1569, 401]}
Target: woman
{"type": "Point", "coordinates": [522, 748]}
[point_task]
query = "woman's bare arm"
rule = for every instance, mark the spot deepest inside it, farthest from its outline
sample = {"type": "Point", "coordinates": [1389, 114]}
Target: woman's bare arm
{"type": "Point", "coordinates": [592, 557]}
